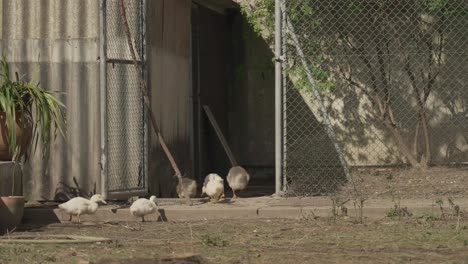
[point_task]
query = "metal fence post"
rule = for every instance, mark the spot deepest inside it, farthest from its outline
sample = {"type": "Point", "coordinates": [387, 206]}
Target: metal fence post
{"type": "Point", "coordinates": [103, 96]}
{"type": "Point", "coordinates": [285, 101]}
{"type": "Point", "coordinates": [278, 97]}
{"type": "Point", "coordinates": [145, 132]}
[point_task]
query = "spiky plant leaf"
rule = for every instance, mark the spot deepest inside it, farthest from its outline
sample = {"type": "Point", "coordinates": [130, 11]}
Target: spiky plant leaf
{"type": "Point", "coordinates": [26, 103]}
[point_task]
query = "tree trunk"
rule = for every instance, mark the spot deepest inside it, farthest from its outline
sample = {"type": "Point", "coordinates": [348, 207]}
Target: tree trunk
{"type": "Point", "coordinates": [404, 149]}
{"type": "Point", "coordinates": [415, 140]}
{"type": "Point", "coordinates": [427, 140]}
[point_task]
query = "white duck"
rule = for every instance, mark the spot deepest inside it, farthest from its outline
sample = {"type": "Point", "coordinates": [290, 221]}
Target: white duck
{"type": "Point", "coordinates": [78, 206]}
{"type": "Point", "coordinates": [238, 179]}
{"type": "Point", "coordinates": [143, 207]}
{"type": "Point", "coordinates": [213, 186]}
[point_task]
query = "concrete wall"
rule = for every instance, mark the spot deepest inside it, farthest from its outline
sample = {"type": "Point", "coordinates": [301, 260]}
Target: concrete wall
{"type": "Point", "coordinates": [251, 97]}
{"type": "Point", "coordinates": [363, 137]}
{"type": "Point", "coordinates": [60, 38]}
{"type": "Point", "coordinates": [214, 71]}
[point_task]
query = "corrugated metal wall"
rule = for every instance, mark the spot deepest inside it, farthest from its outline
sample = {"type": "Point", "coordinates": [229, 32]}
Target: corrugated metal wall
{"type": "Point", "coordinates": [62, 38]}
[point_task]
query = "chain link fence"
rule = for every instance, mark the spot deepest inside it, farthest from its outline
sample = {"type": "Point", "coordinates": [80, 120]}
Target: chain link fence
{"type": "Point", "coordinates": [379, 89]}
{"type": "Point", "coordinates": [125, 119]}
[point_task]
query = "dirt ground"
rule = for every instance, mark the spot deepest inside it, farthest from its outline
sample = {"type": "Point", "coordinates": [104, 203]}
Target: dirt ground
{"type": "Point", "coordinates": [409, 183]}
{"type": "Point", "coordinates": [424, 239]}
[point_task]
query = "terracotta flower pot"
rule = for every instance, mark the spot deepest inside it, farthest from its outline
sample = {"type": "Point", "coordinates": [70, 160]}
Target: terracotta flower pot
{"type": "Point", "coordinates": [25, 135]}
{"type": "Point", "coordinates": [11, 211]}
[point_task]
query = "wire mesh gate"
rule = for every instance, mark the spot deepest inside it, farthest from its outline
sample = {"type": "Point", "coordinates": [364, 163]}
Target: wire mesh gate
{"type": "Point", "coordinates": [123, 128]}
{"type": "Point", "coordinates": [371, 83]}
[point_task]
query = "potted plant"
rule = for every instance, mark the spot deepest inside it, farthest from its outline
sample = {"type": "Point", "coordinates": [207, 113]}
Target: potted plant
{"type": "Point", "coordinates": [12, 206]}
{"type": "Point", "coordinates": [28, 113]}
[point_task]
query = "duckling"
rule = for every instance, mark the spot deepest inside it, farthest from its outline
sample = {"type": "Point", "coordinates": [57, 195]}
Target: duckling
{"type": "Point", "coordinates": [213, 186]}
{"type": "Point", "coordinates": [187, 188]}
{"type": "Point", "coordinates": [238, 179]}
{"type": "Point", "coordinates": [78, 206]}
{"type": "Point", "coordinates": [143, 206]}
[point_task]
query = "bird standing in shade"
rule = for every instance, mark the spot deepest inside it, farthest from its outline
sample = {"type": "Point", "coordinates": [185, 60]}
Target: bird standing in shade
{"type": "Point", "coordinates": [238, 179]}
{"type": "Point", "coordinates": [213, 186]}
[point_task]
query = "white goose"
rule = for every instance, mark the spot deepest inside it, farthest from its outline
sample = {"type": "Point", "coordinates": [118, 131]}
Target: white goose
{"type": "Point", "coordinates": [213, 186]}
{"type": "Point", "coordinates": [238, 179]}
{"type": "Point", "coordinates": [78, 206]}
{"type": "Point", "coordinates": [143, 207]}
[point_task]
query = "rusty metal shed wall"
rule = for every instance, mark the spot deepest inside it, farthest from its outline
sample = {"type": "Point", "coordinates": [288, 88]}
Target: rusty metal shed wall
{"type": "Point", "coordinates": [169, 67]}
{"type": "Point", "coordinates": [61, 37]}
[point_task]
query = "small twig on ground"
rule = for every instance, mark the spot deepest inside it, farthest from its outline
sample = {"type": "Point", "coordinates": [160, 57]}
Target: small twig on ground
{"type": "Point", "coordinates": [10, 232]}
{"type": "Point", "coordinates": [127, 226]}
{"type": "Point", "coordinates": [299, 240]}
{"type": "Point", "coordinates": [191, 237]}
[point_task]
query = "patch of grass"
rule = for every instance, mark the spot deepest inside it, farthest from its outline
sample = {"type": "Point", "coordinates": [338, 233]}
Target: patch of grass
{"type": "Point", "coordinates": [393, 212]}
{"type": "Point", "coordinates": [259, 241]}
{"type": "Point", "coordinates": [398, 211]}
{"type": "Point", "coordinates": [430, 217]}
{"type": "Point", "coordinates": [213, 241]}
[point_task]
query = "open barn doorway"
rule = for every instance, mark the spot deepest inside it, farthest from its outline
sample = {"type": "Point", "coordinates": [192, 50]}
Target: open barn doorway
{"type": "Point", "coordinates": [232, 75]}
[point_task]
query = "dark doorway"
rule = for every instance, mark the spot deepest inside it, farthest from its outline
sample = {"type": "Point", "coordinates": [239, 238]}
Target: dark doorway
{"type": "Point", "coordinates": [211, 69]}
{"type": "Point", "coordinates": [238, 102]}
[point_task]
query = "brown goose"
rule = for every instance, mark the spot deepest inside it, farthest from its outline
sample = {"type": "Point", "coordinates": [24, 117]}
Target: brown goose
{"type": "Point", "coordinates": [187, 188]}
{"type": "Point", "coordinates": [238, 179]}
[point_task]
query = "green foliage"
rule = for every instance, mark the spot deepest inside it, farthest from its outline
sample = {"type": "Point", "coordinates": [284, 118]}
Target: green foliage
{"type": "Point", "coordinates": [430, 217]}
{"type": "Point", "coordinates": [260, 17]}
{"type": "Point", "coordinates": [316, 33]}
{"type": "Point", "coordinates": [302, 83]}
{"type": "Point", "coordinates": [393, 212]}
{"type": "Point", "coordinates": [213, 241]}
{"type": "Point", "coordinates": [26, 103]}
{"type": "Point", "coordinates": [444, 8]}
{"type": "Point", "coordinates": [355, 7]}
{"type": "Point", "coordinates": [398, 211]}
{"type": "Point", "coordinates": [435, 5]}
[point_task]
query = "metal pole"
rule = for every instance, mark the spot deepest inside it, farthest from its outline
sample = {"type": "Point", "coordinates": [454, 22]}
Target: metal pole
{"type": "Point", "coordinates": [103, 95]}
{"type": "Point", "coordinates": [278, 95]}
{"type": "Point", "coordinates": [285, 101]}
{"type": "Point", "coordinates": [145, 111]}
